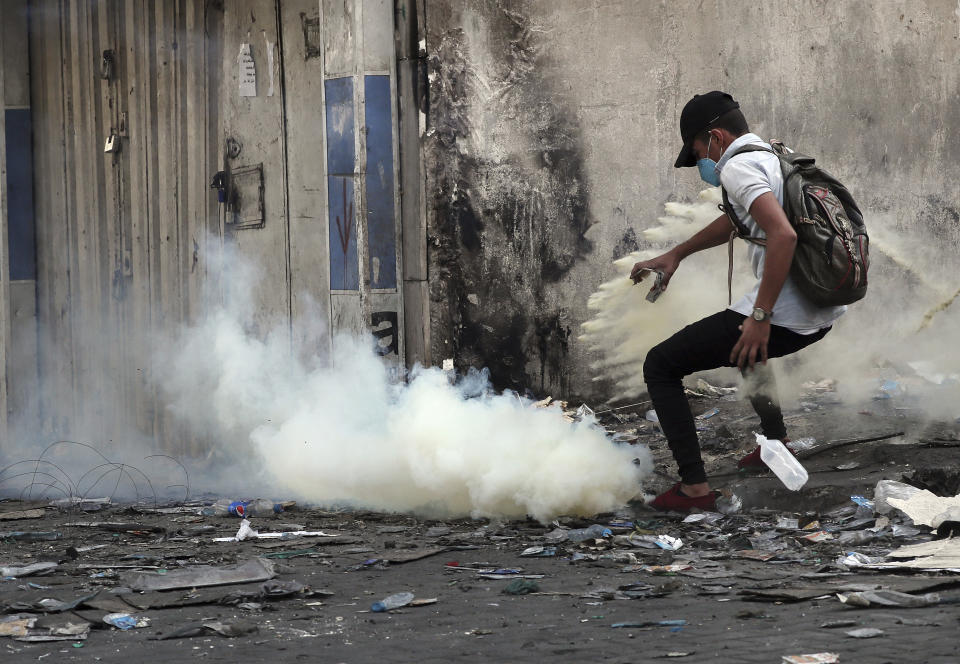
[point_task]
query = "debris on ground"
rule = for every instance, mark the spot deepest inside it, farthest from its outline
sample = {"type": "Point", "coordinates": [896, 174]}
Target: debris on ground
{"type": "Point", "coordinates": [857, 549]}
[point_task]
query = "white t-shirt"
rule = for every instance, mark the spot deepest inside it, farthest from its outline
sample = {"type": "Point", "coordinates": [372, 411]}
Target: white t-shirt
{"type": "Point", "coordinates": [745, 177]}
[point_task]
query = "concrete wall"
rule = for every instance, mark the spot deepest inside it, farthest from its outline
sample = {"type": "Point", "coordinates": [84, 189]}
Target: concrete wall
{"type": "Point", "coordinates": [552, 132]}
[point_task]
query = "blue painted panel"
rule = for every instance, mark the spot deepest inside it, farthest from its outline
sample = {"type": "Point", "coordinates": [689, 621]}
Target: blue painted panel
{"type": "Point", "coordinates": [21, 230]}
{"type": "Point", "coordinates": [381, 224]}
{"type": "Point", "coordinates": [341, 155]}
{"type": "Point", "coordinates": [344, 266]}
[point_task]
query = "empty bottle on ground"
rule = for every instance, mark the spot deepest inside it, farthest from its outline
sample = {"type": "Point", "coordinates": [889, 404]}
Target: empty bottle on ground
{"type": "Point", "coordinates": [782, 462]}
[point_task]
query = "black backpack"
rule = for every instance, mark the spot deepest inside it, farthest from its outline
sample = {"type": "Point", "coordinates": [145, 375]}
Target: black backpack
{"type": "Point", "coordinates": [833, 251]}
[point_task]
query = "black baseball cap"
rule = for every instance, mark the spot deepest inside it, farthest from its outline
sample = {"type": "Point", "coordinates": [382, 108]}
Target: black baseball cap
{"type": "Point", "coordinates": [696, 115]}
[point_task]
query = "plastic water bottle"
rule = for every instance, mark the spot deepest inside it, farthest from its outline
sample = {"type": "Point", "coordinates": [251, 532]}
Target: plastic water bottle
{"type": "Point", "coordinates": [783, 464]}
{"type": "Point", "coordinates": [392, 602]}
{"type": "Point", "coordinates": [242, 508]}
{"type": "Point", "coordinates": [261, 507]}
{"type": "Point", "coordinates": [596, 531]}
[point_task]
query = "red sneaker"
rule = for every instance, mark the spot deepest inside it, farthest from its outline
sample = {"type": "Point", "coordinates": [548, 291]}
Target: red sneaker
{"type": "Point", "coordinates": [674, 501]}
{"type": "Point", "coordinates": [753, 461]}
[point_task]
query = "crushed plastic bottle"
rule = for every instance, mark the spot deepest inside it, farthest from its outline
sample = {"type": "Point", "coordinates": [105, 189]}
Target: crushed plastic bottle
{"type": "Point", "coordinates": [803, 444]}
{"type": "Point", "coordinates": [783, 464]}
{"type": "Point", "coordinates": [596, 531]}
{"type": "Point", "coordinates": [729, 504]}
{"type": "Point", "coordinates": [392, 602]}
{"type": "Point", "coordinates": [886, 489]}
{"type": "Point", "coordinates": [584, 412]}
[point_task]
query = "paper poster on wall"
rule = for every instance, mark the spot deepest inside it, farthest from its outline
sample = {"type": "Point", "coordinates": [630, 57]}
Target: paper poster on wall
{"type": "Point", "coordinates": [247, 72]}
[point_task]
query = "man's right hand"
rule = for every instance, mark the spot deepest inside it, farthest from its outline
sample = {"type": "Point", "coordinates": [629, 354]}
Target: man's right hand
{"type": "Point", "coordinates": [666, 263]}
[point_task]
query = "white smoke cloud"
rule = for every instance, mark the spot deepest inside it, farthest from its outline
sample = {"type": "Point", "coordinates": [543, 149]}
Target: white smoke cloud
{"type": "Point", "coordinates": [911, 281]}
{"type": "Point", "coordinates": [342, 432]}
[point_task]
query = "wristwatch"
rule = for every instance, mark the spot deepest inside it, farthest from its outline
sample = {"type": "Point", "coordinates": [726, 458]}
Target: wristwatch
{"type": "Point", "coordinates": [760, 315]}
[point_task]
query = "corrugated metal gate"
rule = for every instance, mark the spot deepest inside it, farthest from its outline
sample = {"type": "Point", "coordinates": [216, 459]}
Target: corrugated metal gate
{"type": "Point", "coordinates": [293, 101]}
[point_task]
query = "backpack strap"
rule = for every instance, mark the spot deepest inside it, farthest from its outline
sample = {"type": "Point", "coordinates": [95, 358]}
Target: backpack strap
{"type": "Point", "coordinates": [739, 228]}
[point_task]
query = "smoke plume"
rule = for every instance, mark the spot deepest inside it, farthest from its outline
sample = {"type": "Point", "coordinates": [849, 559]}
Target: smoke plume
{"type": "Point", "coordinates": [327, 425]}
{"type": "Point", "coordinates": [903, 331]}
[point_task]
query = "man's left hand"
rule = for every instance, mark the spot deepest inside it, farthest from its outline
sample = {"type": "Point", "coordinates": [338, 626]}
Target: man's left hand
{"type": "Point", "coordinates": [752, 344]}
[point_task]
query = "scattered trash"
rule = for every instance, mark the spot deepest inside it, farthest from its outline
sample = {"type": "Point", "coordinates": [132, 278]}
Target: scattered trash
{"type": "Point", "coordinates": [125, 621]}
{"type": "Point", "coordinates": [783, 464]}
{"type": "Point", "coordinates": [539, 552]}
{"type": "Point", "coordinates": [815, 658]}
{"type": "Point", "coordinates": [933, 556]}
{"type": "Point", "coordinates": [244, 508]}
{"type": "Point", "coordinates": [392, 602]}
{"type": "Point", "coordinates": [853, 465]}
{"type": "Point", "coordinates": [837, 624]}
{"type": "Point", "coordinates": [819, 536]}
{"type": "Point", "coordinates": [651, 623]}
{"type": "Point", "coordinates": [21, 536]}
{"type": "Point", "coordinates": [596, 531]}
{"type": "Point", "coordinates": [651, 416]}
{"type": "Point", "coordinates": [904, 531]}
{"type": "Point", "coordinates": [34, 569]}
{"type": "Point", "coordinates": [947, 523]}
{"type": "Point", "coordinates": [709, 390]}
{"type": "Point", "coordinates": [273, 588]}
{"type": "Point", "coordinates": [863, 502]}
{"type": "Point", "coordinates": [788, 523]}
{"type": "Point", "coordinates": [855, 559]}
{"type": "Point", "coordinates": [229, 630]}
{"type": "Point", "coordinates": [585, 412]}
{"type": "Point", "coordinates": [872, 598]}
{"type": "Point", "coordinates": [803, 444]}
{"type": "Point", "coordinates": [707, 415]}
{"type": "Point", "coordinates": [923, 507]}
{"type": "Point", "coordinates": [521, 587]}
{"type": "Point", "coordinates": [865, 633]}
{"type": "Point", "coordinates": [825, 385]}
{"type": "Point", "coordinates": [668, 543]}
{"type": "Point", "coordinates": [889, 389]}
{"type": "Point", "coordinates": [703, 517]}
{"type": "Point", "coordinates": [729, 503]}
{"type": "Point", "coordinates": [245, 531]}
{"type": "Point", "coordinates": [18, 515]}
{"type": "Point", "coordinates": [557, 535]}
{"type": "Point", "coordinates": [198, 576]}
{"type": "Point", "coordinates": [660, 569]}
{"type": "Point", "coordinates": [890, 489]}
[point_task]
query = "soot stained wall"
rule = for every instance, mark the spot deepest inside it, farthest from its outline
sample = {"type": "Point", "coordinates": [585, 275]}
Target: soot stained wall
{"type": "Point", "coordinates": [507, 196]}
{"type": "Point", "coordinates": [551, 133]}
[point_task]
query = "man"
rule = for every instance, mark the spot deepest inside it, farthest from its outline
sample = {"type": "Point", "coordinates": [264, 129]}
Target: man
{"type": "Point", "coordinates": [772, 320]}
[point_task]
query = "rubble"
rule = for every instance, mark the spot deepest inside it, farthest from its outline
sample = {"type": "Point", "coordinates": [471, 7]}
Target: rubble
{"type": "Point", "coordinates": [836, 556]}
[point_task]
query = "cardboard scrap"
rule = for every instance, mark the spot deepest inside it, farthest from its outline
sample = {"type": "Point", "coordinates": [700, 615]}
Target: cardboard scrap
{"type": "Point", "coordinates": [934, 555]}
{"type": "Point", "coordinates": [924, 507]}
{"type": "Point", "coordinates": [22, 514]}
{"type": "Point", "coordinates": [199, 576]}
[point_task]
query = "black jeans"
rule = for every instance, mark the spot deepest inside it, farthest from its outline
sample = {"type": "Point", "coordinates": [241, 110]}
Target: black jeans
{"type": "Point", "coordinates": [706, 345]}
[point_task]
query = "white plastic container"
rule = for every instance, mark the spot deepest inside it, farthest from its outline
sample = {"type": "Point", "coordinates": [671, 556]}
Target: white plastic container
{"type": "Point", "coordinates": [783, 464]}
